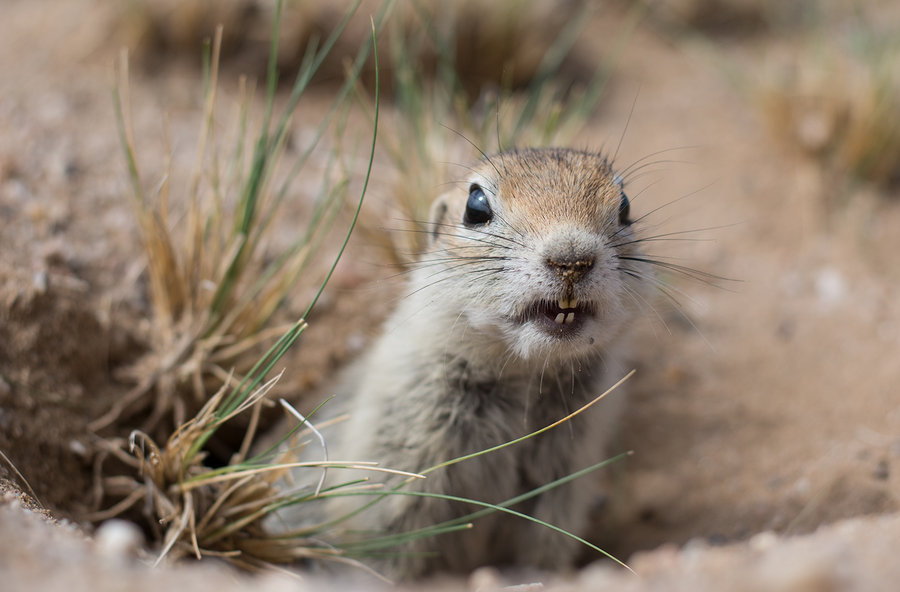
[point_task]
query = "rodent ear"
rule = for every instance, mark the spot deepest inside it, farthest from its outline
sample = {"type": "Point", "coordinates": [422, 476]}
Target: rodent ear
{"type": "Point", "coordinates": [436, 218]}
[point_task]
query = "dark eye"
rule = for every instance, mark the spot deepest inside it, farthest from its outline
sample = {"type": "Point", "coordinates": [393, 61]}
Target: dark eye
{"type": "Point", "coordinates": [624, 210]}
{"type": "Point", "coordinates": [478, 211]}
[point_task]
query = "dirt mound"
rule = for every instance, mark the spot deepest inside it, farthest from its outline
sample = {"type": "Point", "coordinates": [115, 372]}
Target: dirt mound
{"type": "Point", "coordinates": [53, 368]}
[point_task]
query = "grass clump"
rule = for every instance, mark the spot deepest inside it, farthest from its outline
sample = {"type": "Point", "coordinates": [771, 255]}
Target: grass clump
{"type": "Point", "coordinates": [197, 509]}
{"type": "Point", "coordinates": [488, 39]}
{"type": "Point", "coordinates": [215, 287]}
{"type": "Point", "coordinates": [836, 100]}
{"type": "Point", "coordinates": [728, 17]}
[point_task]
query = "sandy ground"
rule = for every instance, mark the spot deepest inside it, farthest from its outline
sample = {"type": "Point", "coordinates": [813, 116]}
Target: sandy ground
{"type": "Point", "coordinates": [769, 415]}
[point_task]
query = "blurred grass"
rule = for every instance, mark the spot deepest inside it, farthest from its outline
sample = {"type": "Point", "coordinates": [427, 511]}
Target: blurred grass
{"type": "Point", "coordinates": [835, 97]}
{"type": "Point", "coordinates": [721, 18]}
{"type": "Point", "coordinates": [825, 76]}
{"type": "Point", "coordinates": [500, 74]}
{"type": "Point", "coordinates": [488, 39]}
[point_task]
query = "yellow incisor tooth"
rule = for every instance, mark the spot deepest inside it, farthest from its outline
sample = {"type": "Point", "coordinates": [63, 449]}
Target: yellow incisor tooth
{"type": "Point", "coordinates": [559, 318]}
{"type": "Point", "coordinates": [570, 318]}
{"type": "Point", "coordinates": [573, 302]}
{"type": "Point", "coordinates": [563, 303]}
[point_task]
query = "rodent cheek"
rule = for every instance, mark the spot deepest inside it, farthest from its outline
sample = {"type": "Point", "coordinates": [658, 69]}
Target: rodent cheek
{"type": "Point", "coordinates": [489, 315]}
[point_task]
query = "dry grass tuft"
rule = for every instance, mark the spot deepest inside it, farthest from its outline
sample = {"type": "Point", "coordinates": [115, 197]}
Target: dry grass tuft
{"type": "Point", "coordinates": [490, 39]}
{"type": "Point", "coordinates": [200, 511]}
{"type": "Point", "coordinates": [214, 285]}
{"type": "Point", "coordinates": [200, 514]}
{"type": "Point", "coordinates": [726, 16]}
{"type": "Point", "coordinates": [837, 101]}
{"type": "Point", "coordinates": [207, 321]}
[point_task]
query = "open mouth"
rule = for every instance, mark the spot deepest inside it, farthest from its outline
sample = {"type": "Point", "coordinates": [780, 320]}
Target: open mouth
{"type": "Point", "coordinates": [561, 317]}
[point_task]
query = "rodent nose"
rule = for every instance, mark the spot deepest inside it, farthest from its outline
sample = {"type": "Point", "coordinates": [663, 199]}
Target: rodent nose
{"type": "Point", "coordinates": [570, 270]}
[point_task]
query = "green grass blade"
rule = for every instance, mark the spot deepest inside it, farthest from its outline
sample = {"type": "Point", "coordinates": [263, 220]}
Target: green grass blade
{"type": "Point", "coordinates": [468, 518]}
{"type": "Point", "coordinates": [265, 364]}
{"type": "Point", "coordinates": [532, 434]}
{"type": "Point", "coordinates": [365, 182]}
{"type": "Point", "coordinates": [495, 508]}
{"type": "Point", "coordinates": [125, 135]}
{"type": "Point", "coordinates": [548, 67]}
{"type": "Point", "coordinates": [305, 75]}
{"type": "Point", "coordinates": [459, 459]}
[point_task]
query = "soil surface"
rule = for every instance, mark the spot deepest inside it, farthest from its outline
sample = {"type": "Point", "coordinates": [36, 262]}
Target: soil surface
{"type": "Point", "coordinates": [764, 414]}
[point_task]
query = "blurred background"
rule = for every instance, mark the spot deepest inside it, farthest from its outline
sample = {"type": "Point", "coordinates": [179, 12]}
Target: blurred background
{"type": "Point", "coordinates": [762, 135]}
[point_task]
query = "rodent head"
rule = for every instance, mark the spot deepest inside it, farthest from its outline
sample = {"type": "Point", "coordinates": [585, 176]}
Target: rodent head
{"type": "Point", "coordinates": [531, 253]}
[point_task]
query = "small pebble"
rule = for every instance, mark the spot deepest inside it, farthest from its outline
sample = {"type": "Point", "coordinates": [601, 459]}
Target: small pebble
{"type": "Point", "coordinates": [40, 281]}
{"type": "Point", "coordinates": [118, 539]}
{"type": "Point", "coordinates": [484, 579]}
{"type": "Point", "coordinates": [78, 448]}
{"type": "Point", "coordinates": [830, 286]}
{"type": "Point", "coordinates": [764, 540]}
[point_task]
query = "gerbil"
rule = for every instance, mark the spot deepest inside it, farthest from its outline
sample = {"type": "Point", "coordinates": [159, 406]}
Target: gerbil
{"type": "Point", "coordinates": [515, 316]}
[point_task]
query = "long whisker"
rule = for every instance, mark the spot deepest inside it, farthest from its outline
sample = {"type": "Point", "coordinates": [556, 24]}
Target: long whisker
{"type": "Point", "coordinates": [471, 276]}
{"type": "Point", "coordinates": [625, 129]}
{"type": "Point", "coordinates": [510, 354]}
{"type": "Point", "coordinates": [624, 172]}
{"type": "Point", "coordinates": [667, 291]}
{"type": "Point", "coordinates": [680, 309]}
{"type": "Point", "coordinates": [450, 268]}
{"type": "Point", "coordinates": [543, 370]}
{"type": "Point", "coordinates": [425, 263]}
{"type": "Point", "coordinates": [561, 392]}
{"type": "Point", "coordinates": [485, 273]}
{"type": "Point", "coordinates": [640, 300]}
{"type": "Point", "coordinates": [476, 147]}
{"type": "Point", "coordinates": [469, 238]}
{"type": "Point", "coordinates": [631, 174]}
{"type": "Point", "coordinates": [674, 201]}
{"type": "Point", "coordinates": [511, 227]}
{"type": "Point", "coordinates": [445, 271]}
{"type": "Point", "coordinates": [472, 169]}
{"type": "Point", "coordinates": [695, 274]}
{"type": "Point", "coordinates": [657, 283]}
{"type": "Point", "coordinates": [457, 227]}
{"type": "Point", "coordinates": [666, 236]}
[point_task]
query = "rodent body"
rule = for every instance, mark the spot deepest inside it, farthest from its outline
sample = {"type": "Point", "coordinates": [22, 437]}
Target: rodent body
{"type": "Point", "coordinates": [514, 318]}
